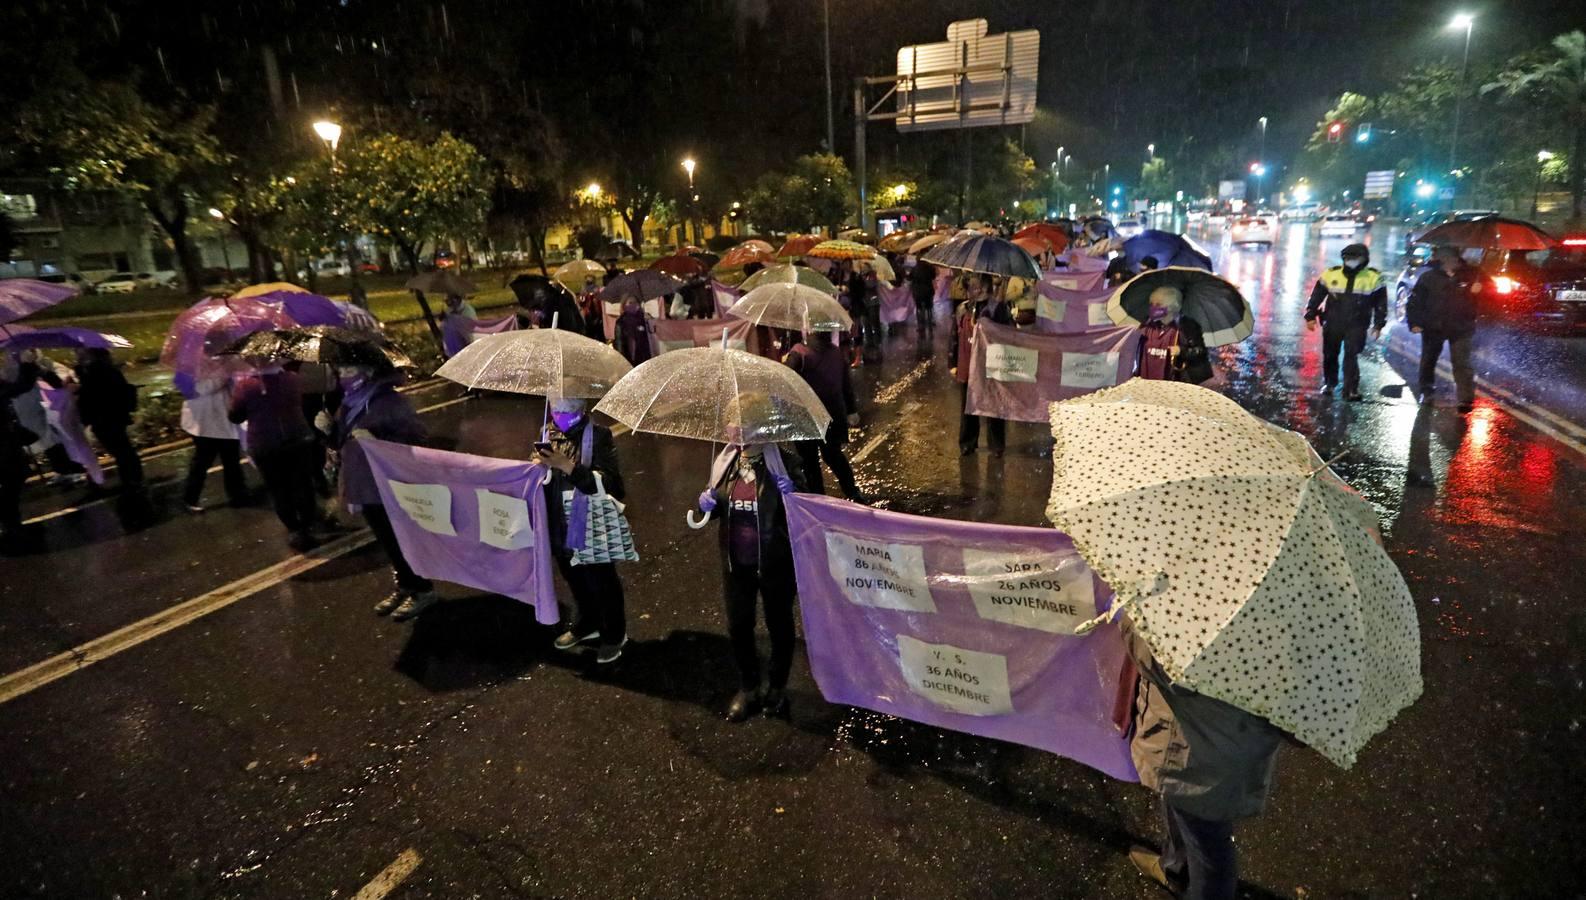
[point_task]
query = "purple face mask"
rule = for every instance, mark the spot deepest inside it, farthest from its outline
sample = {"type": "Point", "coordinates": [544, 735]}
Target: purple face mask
{"type": "Point", "coordinates": [1158, 312]}
{"type": "Point", "coordinates": [565, 421]}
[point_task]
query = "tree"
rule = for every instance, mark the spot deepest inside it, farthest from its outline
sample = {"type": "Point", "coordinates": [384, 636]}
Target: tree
{"type": "Point", "coordinates": [816, 190]}
{"type": "Point", "coordinates": [1156, 180]}
{"type": "Point", "coordinates": [410, 192]}
{"type": "Point", "coordinates": [1557, 79]}
{"type": "Point", "coordinates": [1003, 176]}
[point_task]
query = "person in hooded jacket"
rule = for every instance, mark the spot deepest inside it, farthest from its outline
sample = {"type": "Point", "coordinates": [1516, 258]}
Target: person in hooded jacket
{"type": "Point", "coordinates": [1442, 310]}
{"type": "Point", "coordinates": [1172, 346]}
{"type": "Point", "coordinates": [1349, 299]}
{"type": "Point", "coordinates": [633, 331]}
{"type": "Point", "coordinates": [757, 560]}
{"type": "Point", "coordinates": [983, 303]}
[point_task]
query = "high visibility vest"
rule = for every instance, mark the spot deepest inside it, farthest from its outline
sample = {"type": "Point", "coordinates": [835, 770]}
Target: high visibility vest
{"type": "Point", "coordinates": [1336, 280]}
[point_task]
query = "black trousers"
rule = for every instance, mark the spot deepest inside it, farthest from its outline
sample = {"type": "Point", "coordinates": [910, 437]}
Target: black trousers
{"type": "Point", "coordinates": [13, 472]}
{"type": "Point", "coordinates": [740, 585]}
{"type": "Point", "coordinates": [925, 311]}
{"type": "Point", "coordinates": [385, 536]}
{"type": "Point", "coordinates": [288, 477]}
{"type": "Point", "coordinates": [61, 461]}
{"type": "Point", "coordinates": [1199, 854]}
{"type": "Point", "coordinates": [116, 443]}
{"type": "Point", "coordinates": [872, 325]}
{"type": "Point", "coordinates": [598, 604]}
{"type": "Point", "coordinates": [1350, 340]}
{"type": "Point", "coordinates": [969, 427]}
{"type": "Point", "coordinates": [1459, 350]}
{"type": "Point", "coordinates": [205, 451]}
{"type": "Point", "coordinates": [831, 448]}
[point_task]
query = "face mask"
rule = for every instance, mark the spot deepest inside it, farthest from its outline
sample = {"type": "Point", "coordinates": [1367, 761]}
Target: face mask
{"type": "Point", "coordinates": [1158, 312]}
{"type": "Point", "coordinates": [1353, 263]}
{"type": "Point", "coordinates": [566, 420]}
{"type": "Point", "coordinates": [352, 381]}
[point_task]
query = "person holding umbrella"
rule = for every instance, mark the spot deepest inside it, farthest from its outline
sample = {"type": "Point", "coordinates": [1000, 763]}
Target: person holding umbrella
{"type": "Point", "coordinates": [1442, 310]}
{"type": "Point", "coordinates": [824, 367]}
{"type": "Point", "coordinates": [922, 286]}
{"type": "Point", "coordinates": [281, 444]}
{"type": "Point", "coordinates": [982, 303]}
{"type": "Point", "coordinates": [204, 417]}
{"type": "Point", "coordinates": [106, 402]}
{"type": "Point", "coordinates": [1181, 312]}
{"type": "Point", "coordinates": [1348, 299]}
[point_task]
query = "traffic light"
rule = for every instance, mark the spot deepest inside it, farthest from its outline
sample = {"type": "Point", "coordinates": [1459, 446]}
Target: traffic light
{"type": "Point", "coordinates": [1335, 132]}
{"type": "Point", "coordinates": [1363, 133]}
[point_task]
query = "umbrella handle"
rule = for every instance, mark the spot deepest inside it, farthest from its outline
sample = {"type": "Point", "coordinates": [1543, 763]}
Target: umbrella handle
{"type": "Point", "coordinates": [696, 524]}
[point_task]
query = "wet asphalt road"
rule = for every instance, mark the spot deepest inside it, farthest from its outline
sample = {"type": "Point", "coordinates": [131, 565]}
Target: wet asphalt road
{"type": "Point", "coordinates": [293, 744]}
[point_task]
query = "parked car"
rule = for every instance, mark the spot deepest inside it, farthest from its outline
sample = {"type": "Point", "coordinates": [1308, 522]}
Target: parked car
{"type": "Point", "coordinates": [127, 282]}
{"type": "Point", "coordinates": [445, 259]}
{"type": "Point", "coordinates": [1560, 297]}
{"type": "Point", "coordinates": [327, 268]}
{"type": "Point", "coordinates": [1427, 221]}
{"type": "Point", "coordinates": [1516, 283]}
{"type": "Point", "coordinates": [1341, 225]}
{"type": "Point", "coordinates": [1252, 230]}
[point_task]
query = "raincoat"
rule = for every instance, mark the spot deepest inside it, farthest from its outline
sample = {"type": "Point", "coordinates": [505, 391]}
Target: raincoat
{"type": "Point", "coordinates": [1445, 303]}
{"type": "Point", "coordinates": [776, 547]}
{"type": "Point", "coordinates": [378, 408]}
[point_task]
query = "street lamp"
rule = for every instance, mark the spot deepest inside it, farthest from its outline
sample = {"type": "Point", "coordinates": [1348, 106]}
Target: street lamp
{"type": "Point", "coordinates": [330, 133]}
{"type": "Point", "coordinates": [899, 191]}
{"type": "Point", "coordinates": [1263, 123]}
{"type": "Point", "coordinates": [1467, 22]}
{"type": "Point", "coordinates": [225, 252]}
{"type": "Point", "coordinates": [1542, 156]}
{"type": "Point", "coordinates": [693, 227]}
{"type": "Point", "coordinates": [1150, 151]}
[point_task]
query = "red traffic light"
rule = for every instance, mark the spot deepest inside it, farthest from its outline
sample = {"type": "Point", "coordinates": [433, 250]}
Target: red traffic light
{"type": "Point", "coordinates": [1336, 127]}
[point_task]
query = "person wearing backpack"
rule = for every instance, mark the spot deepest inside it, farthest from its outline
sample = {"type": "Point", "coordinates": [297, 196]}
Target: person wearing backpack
{"type": "Point", "coordinates": [106, 402]}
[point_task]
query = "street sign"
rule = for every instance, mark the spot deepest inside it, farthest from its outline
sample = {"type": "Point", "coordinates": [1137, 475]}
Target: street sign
{"type": "Point", "coordinates": [1445, 193]}
{"type": "Point", "coordinates": [1231, 190]}
{"type": "Point", "coordinates": [1379, 184]}
{"type": "Point", "coordinates": [970, 80]}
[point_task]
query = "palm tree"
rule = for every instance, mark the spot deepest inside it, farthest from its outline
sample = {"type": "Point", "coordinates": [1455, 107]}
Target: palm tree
{"type": "Point", "coordinates": [1557, 79]}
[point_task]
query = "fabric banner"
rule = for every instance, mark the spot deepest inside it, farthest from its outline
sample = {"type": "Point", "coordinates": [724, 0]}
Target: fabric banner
{"type": "Point", "coordinates": [1060, 311]}
{"type": "Point", "coordinates": [1080, 261]}
{"type": "Point", "coordinates": [966, 626]}
{"type": "Point", "coordinates": [681, 334]}
{"type": "Point", "coordinates": [1075, 279]}
{"type": "Point", "coordinates": [897, 303]}
{"type": "Point", "coordinates": [944, 287]}
{"type": "Point", "coordinates": [726, 297]}
{"type": "Point", "coordinates": [496, 326]}
{"type": "Point", "coordinates": [60, 410]}
{"type": "Point", "coordinates": [1015, 374]}
{"type": "Point", "coordinates": [654, 310]}
{"type": "Point", "coordinates": [471, 520]}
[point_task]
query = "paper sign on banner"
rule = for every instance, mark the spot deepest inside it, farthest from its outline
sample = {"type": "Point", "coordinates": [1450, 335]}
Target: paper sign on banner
{"type": "Point", "coordinates": [503, 521]}
{"type": "Point", "coordinates": [1050, 593]}
{"type": "Point", "coordinates": [1097, 315]}
{"type": "Point", "coordinates": [1089, 370]}
{"type": "Point", "coordinates": [1005, 362]}
{"type": "Point", "coordinates": [1047, 308]}
{"type": "Point", "coordinates": [1066, 282]}
{"type": "Point", "coordinates": [883, 575]}
{"type": "Point", "coordinates": [732, 343]}
{"type": "Point", "coordinates": [964, 681]}
{"type": "Point", "coordinates": [428, 505]}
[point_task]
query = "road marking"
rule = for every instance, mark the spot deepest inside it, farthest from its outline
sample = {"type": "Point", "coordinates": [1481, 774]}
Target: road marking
{"type": "Point", "coordinates": [869, 447]}
{"type": "Point", "coordinates": [102, 648]}
{"type": "Point", "coordinates": [391, 876]}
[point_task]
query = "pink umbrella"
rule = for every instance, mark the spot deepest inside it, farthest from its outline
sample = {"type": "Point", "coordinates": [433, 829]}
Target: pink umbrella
{"type": "Point", "coordinates": [21, 337]}
{"type": "Point", "coordinates": [20, 297]}
{"type": "Point", "coordinates": [210, 326]}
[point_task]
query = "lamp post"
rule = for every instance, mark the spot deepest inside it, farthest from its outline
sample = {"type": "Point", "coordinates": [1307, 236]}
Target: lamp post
{"type": "Point", "coordinates": [1259, 170]}
{"type": "Point", "coordinates": [693, 228]}
{"type": "Point", "coordinates": [225, 252]}
{"type": "Point", "coordinates": [1542, 156]}
{"type": "Point", "coordinates": [1263, 123]}
{"type": "Point", "coordinates": [826, 20]}
{"type": "Point", "coordinates": [1150, 152]}
{"type": "Point", "coordinates": [330, 133]}
{"type": "Point", "coordinates": [1467, 22]}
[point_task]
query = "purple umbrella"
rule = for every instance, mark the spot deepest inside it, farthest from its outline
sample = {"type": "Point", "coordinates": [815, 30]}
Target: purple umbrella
{"type": "Point", "coordinates": [20, 297]}
{"type": "Point", "coordinates": [305, 308]}
{"type": "Point", "coordinates": [212, 325]}
{"type": "Point", "coordinates": [21, 337]}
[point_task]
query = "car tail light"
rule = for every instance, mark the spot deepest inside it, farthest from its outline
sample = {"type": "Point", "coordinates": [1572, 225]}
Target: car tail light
{"type": "Point", "coordinates": [1575, 242]}
{"type": "Point", "coordinates": [1504, 284]}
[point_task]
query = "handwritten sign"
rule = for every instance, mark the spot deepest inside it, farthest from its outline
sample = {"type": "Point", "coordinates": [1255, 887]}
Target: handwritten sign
{"type": "Point", "coordinates": [428, 505]}
{"type": "Point", "coordinates": [503, 521]}
{"type": "Point", "coordinates": [883, 575]}
{"type": "Point", "coordinates": [1047, 308]}
{"type": "Point", "coordinates": [1007, 362]}
{"type": "Point", "coordinates": [1097, 315]}
{"type": "Point", "coordinates": [1089, 370]}
{"type": "Point", "coordinates": [964, 681]}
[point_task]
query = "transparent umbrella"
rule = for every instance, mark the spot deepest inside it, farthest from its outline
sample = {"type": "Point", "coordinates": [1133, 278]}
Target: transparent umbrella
{"type": "Point", "coordinates": [797, 307]}
{"type": "Point", "coordinates": [787, 273]}
{"type": "Point", "coordinates": [545, 362]}
{"type": "Point", "coordinates": [572, 275]}
{"type": "Point", "coordinates": [719, 395]}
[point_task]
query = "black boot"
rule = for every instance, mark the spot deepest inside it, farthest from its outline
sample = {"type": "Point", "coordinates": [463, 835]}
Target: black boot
{"type": "Point", "coordinates": [744, 704]}
{"type": "Point", "coordinates": [776, 704]}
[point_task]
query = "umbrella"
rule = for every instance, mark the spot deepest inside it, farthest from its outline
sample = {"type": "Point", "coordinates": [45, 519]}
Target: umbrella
{"type": "Point", "coordinates": [680, 266]}
{"type": "Point", "coordinates": [1256, 576]}
{"type": "Point", "coordinates": [746, 253]}
{"type": "Point", "coordinates": [879, 263]}
{"type": "Point", "coordinates": [981, 227]}
{"type": "Point", "coordinates": [930, 240]}
{"type": "Point", "coordinates": [303, 307]}
{"type": "Point", "coordinates": [572, 275]}
{"type": "Point", "coordinates": [899, 241]}
{"type": "Point", "coordinates": [617, 249]}
{"type": "Point", "coordinates": [546, 362]}
{"type": "Point", "coordinates": [269, 287]}
{"type": "Point", "coordinates": [1051, 235]}
{"type": "Point", "coordinates": [858, 236]}
{"type": "Point", "coordinates": [841, 250]}
{"type": "Point", "coordinates": [646, 284]}
{"type": "Point", "coordinates": [524, 284]}
{"type": "Point", "coordinates": [717, 394]}
{"type": "Point", "coordinates": [986, 255]}
{"type": "Point", "coordinates": [20, 297]}
{"type": "Point", "coordinates": [705, 256]}
{"type": "Point", "coordinates": [1493, 232]}
{"type": "Point", "coordinates": [797, 307]}
{"type": "Point", "coordinates": [209, 326]}
{"type": "Point", "coordinates": [1169, 249]}
{"type": "Point", "coordinates": [21, 337]}
{"type": "Point", "coordinates": [787, 273]}
{"type": "Point", "coordinates": [1213, 303]}
{"type": "Point", "coordinates": [798, 245]}
{"type": "Point", "coordinates": [758, 244]}
{"type": "Point", "coordinates": [326, 345]}
{"type": "Point", "coordinates": [1033, 244]}
{"type": "Point", "coordinates": [441, 281]}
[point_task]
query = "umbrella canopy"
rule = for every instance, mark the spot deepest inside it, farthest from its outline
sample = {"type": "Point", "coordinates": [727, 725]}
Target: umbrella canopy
{"type": "Point", "coordinates": [841, 250]}
{"type": "Point", "coordinates": [879, 263]}
{"type": "Point", "coordinates": [786, 273]}
{"type": "Point", "coordinates": [858, 236]}
{"type": "Point", "coordinates": [646, 284]}
{"type": "Point", "coordinates": [546, 362]}
{"type": "Point", "coordinates": [1255, 575]}
{"type": "Point", "coordinates": [269, 287]}
{"type": "Point", "coordinates": [930, 240]}
{"type": "Point", "coordinates": [717, 394]}
{"type": "Point", "coordinates": [987, 255]}
{"type": "Point", "coordinates": [21, 337]}
{"type": "Point", "coordinates": [20, 297]}
{"type": "Point", "coordinates": [899, 241]}
{"type": "Point", "coordinates": [573, 275]}
{"type": "Point", "coordinates": [1169, 249]}
{"type": "Point", "coordinates": [1493, 232]}
{"type": "Point", "coordinates": [1033, 244]}
{"type": "Point", "coordinates": [680, 266]}
{"type": "Point", "coordinates": [797, 245]}
{"type": "Point", "coordinates": [797, 307]}
{"type": "Point", "coordinates": [323, 344]}
{"type": "Point", "coordinates": [746, 253]}
{"type": "Point", "coordinates": [981, 227]}
{"type": "Point", "coordinates": [210, 326]}
{"type": "Point", "coordinates": [1051, 235]}
{"type": "Point", "coordinates": [1212, 302]}
{"type": "Point", "coordinates": [617, 249]}
{"type": "Point", "coordinates": [303, 307]}
{"type": "Point", "coordinates": [758, 244]}
{"type": "Point", "coordinates": [705, 256]}
{"type": "Point", "coordinates": [524, 285]}
{"type": "Point", "coordinates": [441, 281]}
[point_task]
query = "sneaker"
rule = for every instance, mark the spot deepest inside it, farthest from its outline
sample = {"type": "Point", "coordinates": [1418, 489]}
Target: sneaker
{"type": "Point", "coordinates": [194, 508]}
{"type": "Point", "coordinates": [744, 704]}
{"type": "Point", "coordinates": [391, 602]}
{"type": "Point", "coordinates": [571, 639]}
{"type": "Point", "coordinates": [610, 653]}
{"type": "Point", "coordinates": [414, 605]}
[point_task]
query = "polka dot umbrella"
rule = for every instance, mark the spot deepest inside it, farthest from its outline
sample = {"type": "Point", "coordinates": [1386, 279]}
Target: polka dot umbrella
{"type": "Point", "coordinates": [1255, 574]}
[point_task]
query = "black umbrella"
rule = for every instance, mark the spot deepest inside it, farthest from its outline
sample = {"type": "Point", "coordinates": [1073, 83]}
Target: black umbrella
{"type": "Point", "coordinates": [525, 285]}
{"type": "Point", "coordinates": [985, 254]}
{"type": "Point", "coordinates": [646, 284]}
{"type": "Point", "coordinates": [324, 344]}
{"type": "Point", "coordinates": [709, 259]}
{"type": "Point", "coordinates": [1216, 305]}
{"type": "Point", "coordinates": [616, 250]}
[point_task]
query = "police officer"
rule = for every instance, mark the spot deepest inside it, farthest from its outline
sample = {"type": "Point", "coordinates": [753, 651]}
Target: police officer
{"type": "Point", "coordinates": [1348, 299]}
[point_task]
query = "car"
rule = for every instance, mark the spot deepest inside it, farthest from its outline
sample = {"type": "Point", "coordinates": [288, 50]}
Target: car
{"type": "Point", "coordinates": [327, 268]}
{"type": "Point", "coordinates": [1251, 230]}
{"type": "Point", "coordinates": [1129, 228]}
{"type": "Point", "coordinates": [445, 259]}
{"type": "Point", "coordinates": [1195, 216]}
{"type": "Point", "coordinates": [1560, 297]}
{"type": "Point", "coordinates": [1301, 212]}
{"type": "Point", "coordinates": [122, 283]}
{"type": "Point", "coordinates": [1515, 285]}
{"type": "Point", "coordinates": [369, 268]}
{"type": "Point", "coordinates": [1340, 225]}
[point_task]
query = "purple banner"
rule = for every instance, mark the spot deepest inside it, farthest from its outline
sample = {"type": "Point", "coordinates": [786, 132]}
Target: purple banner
{"type": "Point", "coordinates": [681, 334]}
{"type": "Point", "coordinates": [471, 520]}
{"type": "Point", "coordinates": [496, 326]}
{"type": "Point", "coordinates": [1076, 279]}
{"type": "Point", "coordinates": [966, 626]}
{"type": "Point", "coordinates": [897, 303]}
{"type": "Point", "coordinates": [726, 297]}
{"type": "Point", "coordinates": [1079, 260]}
{"type": "Point", "coordinates": [61, 412]}
{"type": "Point", "coordinates": [1059, 311]}
{"type": "Point", "coordinates": [1014, 374]}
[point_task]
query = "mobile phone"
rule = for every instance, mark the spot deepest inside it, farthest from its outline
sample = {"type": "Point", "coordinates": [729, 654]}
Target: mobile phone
{"type": "Point", "coordinates": [543, 446]}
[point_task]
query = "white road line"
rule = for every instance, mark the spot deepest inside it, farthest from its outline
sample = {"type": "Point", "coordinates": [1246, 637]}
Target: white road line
{"type": "Point", "coordinates": [869, 447]}
{"type": "Point", "coordinates": [99, 649]}
{"type": "Point", "coordinates": [391, 876]}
